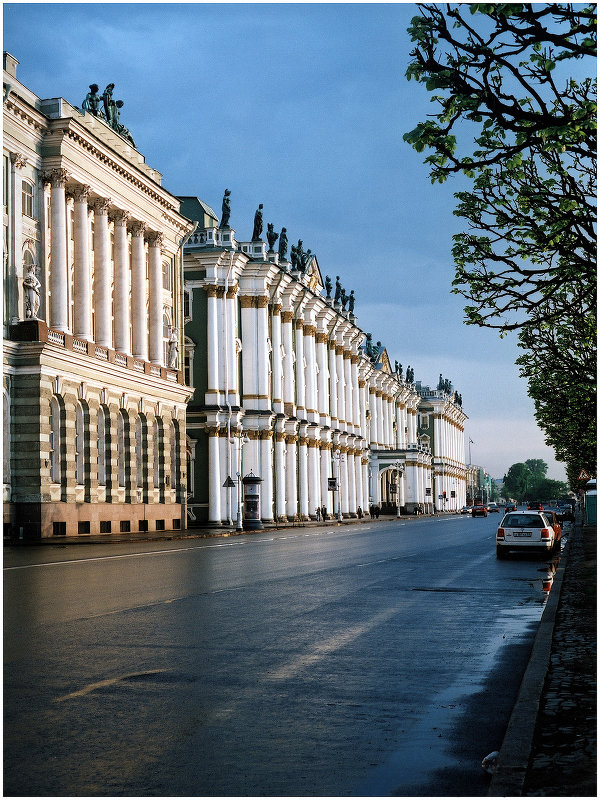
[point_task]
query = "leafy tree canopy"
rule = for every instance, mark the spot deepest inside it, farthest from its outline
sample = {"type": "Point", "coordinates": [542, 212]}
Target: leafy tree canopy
{"type": "Point", "coordinates": [501, 80]}
{"type": "Point", "coordinates": [528, 481]}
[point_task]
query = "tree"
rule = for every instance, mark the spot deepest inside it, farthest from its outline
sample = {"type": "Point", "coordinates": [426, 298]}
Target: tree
{"type": "Point", "coordinates": [515, 481]}
{"type": "Point", "coordinates": [531, 210]}
{"type": "Point", "coordinates": [528, 481]}
{"type": "Point", "coordinates": [517, 82]}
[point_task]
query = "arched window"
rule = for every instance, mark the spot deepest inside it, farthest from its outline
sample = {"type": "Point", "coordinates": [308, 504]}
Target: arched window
{"type": "Point", "coordinates": [55, 440]}
{"type": "Point", "coordinates": [101, 428]}
{"type": "Point", "coordinates": [121, 459]}
{"type": "Point", "coordinates": [27, 198]}
{"type": "Point", "coordinates": [6, 438]}
{"type": "Point", "coordinates": [138, 452]}
{"type": "Point", "coordinates": [79, 445]}
{"type": "Point", "coordinates": [188, 361]}
{"type": "Point", "coordinates": [158, 453]}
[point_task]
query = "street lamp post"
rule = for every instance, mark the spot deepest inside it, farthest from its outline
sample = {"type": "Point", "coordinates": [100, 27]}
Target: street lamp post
{"type": "Point", "coordinates": [399, 474]}
{"type": "Point", "coordinates": [241, 442]}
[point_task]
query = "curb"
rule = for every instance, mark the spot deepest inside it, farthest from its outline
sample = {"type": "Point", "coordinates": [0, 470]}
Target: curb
{"type": "Point", "coordinates": [513, 759]}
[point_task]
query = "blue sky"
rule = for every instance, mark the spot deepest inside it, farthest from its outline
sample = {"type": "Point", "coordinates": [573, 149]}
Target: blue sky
{"type": "Point", "coordinates": [301, 107]}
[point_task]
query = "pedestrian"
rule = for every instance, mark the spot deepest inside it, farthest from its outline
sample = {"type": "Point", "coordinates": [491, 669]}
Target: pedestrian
{"type": "Point", "coordinates": [377, 511]}
{"type": "Point", "coordinates": [318, 514]}
{"type": "Point", "coordinates": [359, 512]}
{"type": "Point", "coordinates": [324, 513]}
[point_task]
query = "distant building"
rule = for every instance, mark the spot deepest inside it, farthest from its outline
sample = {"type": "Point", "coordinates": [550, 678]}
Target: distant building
{"type": "Point", "coordinates": [442, 428]}
{"type": "Point", "coordinates": [93, 391]}
{"type": "Point", "coordinates": [287, 387]}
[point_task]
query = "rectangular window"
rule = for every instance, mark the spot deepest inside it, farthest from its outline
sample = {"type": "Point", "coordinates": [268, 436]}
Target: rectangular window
{"type": "Point", "coordinates": [166, 275]}
{"type": "Point", "coordinates": [27, 198]}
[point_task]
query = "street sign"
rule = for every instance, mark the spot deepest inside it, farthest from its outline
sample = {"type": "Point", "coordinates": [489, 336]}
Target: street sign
{"type": "Point", "coordinates": [228, 484]}
{"type": "Point", "coordinates": [332, 484]}
{"type": "Point", "coordinates": [583, 476]}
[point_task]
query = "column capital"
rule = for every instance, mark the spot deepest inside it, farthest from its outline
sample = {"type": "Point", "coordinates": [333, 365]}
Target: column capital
{"type": "Point", "coordinates": [18, 159]}
{"type": "Point", "coordinates": [121, 218]}
{"type": "Point", "coordinates": [138, 229]}
{"type": "Point", "coordinates": [287, 316]}
{"type": "Point", "coordinates": [156, 239]}
{"type": "Point", "coordinates": [101, 205]}
{"type": "Point", "coordinates": [81, 192]}
{"type": "Point", "coordinates": [56, 177]}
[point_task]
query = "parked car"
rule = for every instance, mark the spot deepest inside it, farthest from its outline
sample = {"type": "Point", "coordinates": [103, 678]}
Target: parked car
{"type": "Point", "coordinates": [493, 507]}
{"type": "Point", "coordinates": [465, 510]}
{"type": "Point", "coordinates": [479, 511]}
{"type": "Point", "coordinates": [526, 530]}
{"type": "Point", "coordinates": [566, 511]}
{"type": "Point", "coordinates": [535, 505]}
{"type": "Point", "coordinates": [555, 520]}
{"type": "Point", "coordinates": [509, 507]}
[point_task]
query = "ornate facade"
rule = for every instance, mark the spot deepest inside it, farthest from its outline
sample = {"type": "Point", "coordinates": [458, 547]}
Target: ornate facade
{"type": "Point", "coordinates": [94, 398]}
{"type": "Point", "coordinates": [289, 389]}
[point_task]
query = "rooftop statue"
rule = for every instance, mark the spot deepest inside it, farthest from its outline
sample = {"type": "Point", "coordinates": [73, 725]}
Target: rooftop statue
{"type": "Point", "coordinates": [294, 258]}
{"type": "Point", "coordinates": [111, 111]}
{"type": "Point", "coordinates": [338, 291]}
{"type": "Point", "coordinates": [306, 257]}
{"type": "Point", "coordinates": [328, 286]}
{"type": "Point", "coordinates": [92, 100]}
{"type": "Point", "coordinates": [283, 244]}
{"type": "Point", "coordinates": [344, 299]}
{"type": "Point", "coordinates": [225, 209]}
{"type": "Point", "coordinates": [351, 302]}
{"type": "Point", "coordinates": [271, 236]}
{"type": "Point", "coordinates": [300, 254]}
{"type": "Point", "coordinates": [258, 224]}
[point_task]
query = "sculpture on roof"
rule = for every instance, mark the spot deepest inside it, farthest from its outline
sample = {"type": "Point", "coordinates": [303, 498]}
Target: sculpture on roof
{"type": "Point", "coordinates": [92, 100]}
{"type": "Point", "coordinates": [410, 375]}
{"type": "Point", "coordinates": [306, 258]}
{"type": "Point", "coordinates": [328, 287]}
{"type": "Point", "coordinates": [271, 236]}
{"type": "Point", "coordinates": [225, 209]}
{"type": "Point", "coordinates": [338, 290]}
{"type": "Point", "coordinates": [294, 258]}
{"type": "Point", "coordinates": [300, 255]}
{"type": "Point", "coordinates": [283, 244]}
{"type": "Point", "coordinates": [343, 299]}
{"type": "Point", "coordinates": [258, 224]}
{"type": "Point", "coordinates": [351, 299]}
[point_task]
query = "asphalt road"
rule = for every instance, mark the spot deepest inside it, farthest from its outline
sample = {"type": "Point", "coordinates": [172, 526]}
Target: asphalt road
{"type": "Point", "coordinates": [375, 659]}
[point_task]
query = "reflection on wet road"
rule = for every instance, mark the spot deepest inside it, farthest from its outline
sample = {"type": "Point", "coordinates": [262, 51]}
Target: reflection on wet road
{"type": "Point", "coordinates": [375, 659]}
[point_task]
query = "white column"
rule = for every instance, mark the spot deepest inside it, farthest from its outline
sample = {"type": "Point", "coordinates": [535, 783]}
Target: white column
{"type": "Point", "coordinates": [344, 481]}
{"type": "Point", "coordinates": [214, 477]}
{"type": "Point", "coordinates": [82, 283]}
{"type": "Point", "coordinates": [352, 504]}
{"type": "Point", "coordinates": [280, 476]}
{"type": "Point", "coordinates": [348, 393]}
{"type": "Point", "coordinates": [139, 311]}
{"type": "Point", "coordinates": [262, 335]}
{"type": "Point", "coordinates": [341, 388]}
{"type": "Point", "coordinates": [59, 297]}
{"type": "Point", "coordinates": [16, 234]}
{"type": "Point", "coordinates": [277, 363]}
{"type": "Point", "coordinates": [303, 473]}
{"type": "Point", "coordinates": [289, 389]}
{"type": "Point", "coordinates": [212, 347]}
{"type": "Point", "coordinates": [333, 392]}
{"type": "Point", "coordinates": [155, 310]}
{"type": "Point", "coordinates": [314, 488]}
{"type": "Point", "coordinates": [102, 275]}
{"type": "Point", "coordinates": [121, 310]}
{"type": "Point", "coordinates": [232, 323]}
{"type": "Point", "coordinates": [312, 413]}
{"type": "Point", "coordinates": [326, 495]}
{"type": "Point", "coordinates": [266, 469]}
{"type": "Point", "coordinates": [300, 381]}
{"type": "Point", "coordinates": [323, 379]}
{"type": "Point", "coordinates": [355, 395]}
{"type": "Point", "coordinates": [291, 483]}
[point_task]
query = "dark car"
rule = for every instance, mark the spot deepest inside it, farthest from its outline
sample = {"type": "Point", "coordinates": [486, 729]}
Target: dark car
{"type": "Point", "coordinates": [535, 505]}
{"type": "Point", "coordinates": [479, 511]}
{"type": "Point", "coordinates": [509, 507]}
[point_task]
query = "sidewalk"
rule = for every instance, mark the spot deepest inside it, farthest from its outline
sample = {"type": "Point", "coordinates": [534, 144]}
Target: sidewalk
{"type": "Point", "coordinates": [550, 744]}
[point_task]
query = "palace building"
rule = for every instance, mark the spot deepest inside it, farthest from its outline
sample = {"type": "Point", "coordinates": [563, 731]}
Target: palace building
{"type": "Point", "coordinates": [153, 361]}
{"type": "Point", "coordinates": [94, 400]}
{"type": "Point", "coordinates": [289, 389]}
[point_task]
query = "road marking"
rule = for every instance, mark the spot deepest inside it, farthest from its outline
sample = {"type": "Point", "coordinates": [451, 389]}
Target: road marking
{"type": "Point", "coordinates": [91, 687]}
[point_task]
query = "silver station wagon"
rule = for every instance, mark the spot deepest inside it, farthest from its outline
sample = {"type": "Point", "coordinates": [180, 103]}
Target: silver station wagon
{"type": "Point", "coordinates": [527, 530]}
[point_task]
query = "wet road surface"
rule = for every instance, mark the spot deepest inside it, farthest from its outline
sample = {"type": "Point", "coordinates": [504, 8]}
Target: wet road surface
{"type": "Point", "coordinates": [374, 659]}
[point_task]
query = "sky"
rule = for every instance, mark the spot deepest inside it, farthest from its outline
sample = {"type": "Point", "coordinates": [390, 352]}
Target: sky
{"type": "Point", "coordinates": [301, 107]}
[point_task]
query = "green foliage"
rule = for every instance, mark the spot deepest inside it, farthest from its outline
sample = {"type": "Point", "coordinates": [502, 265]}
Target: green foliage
{"type": "Point", "coordinates": [510, 116]}
{"type": "Point", "coordinates": [528, 481]}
